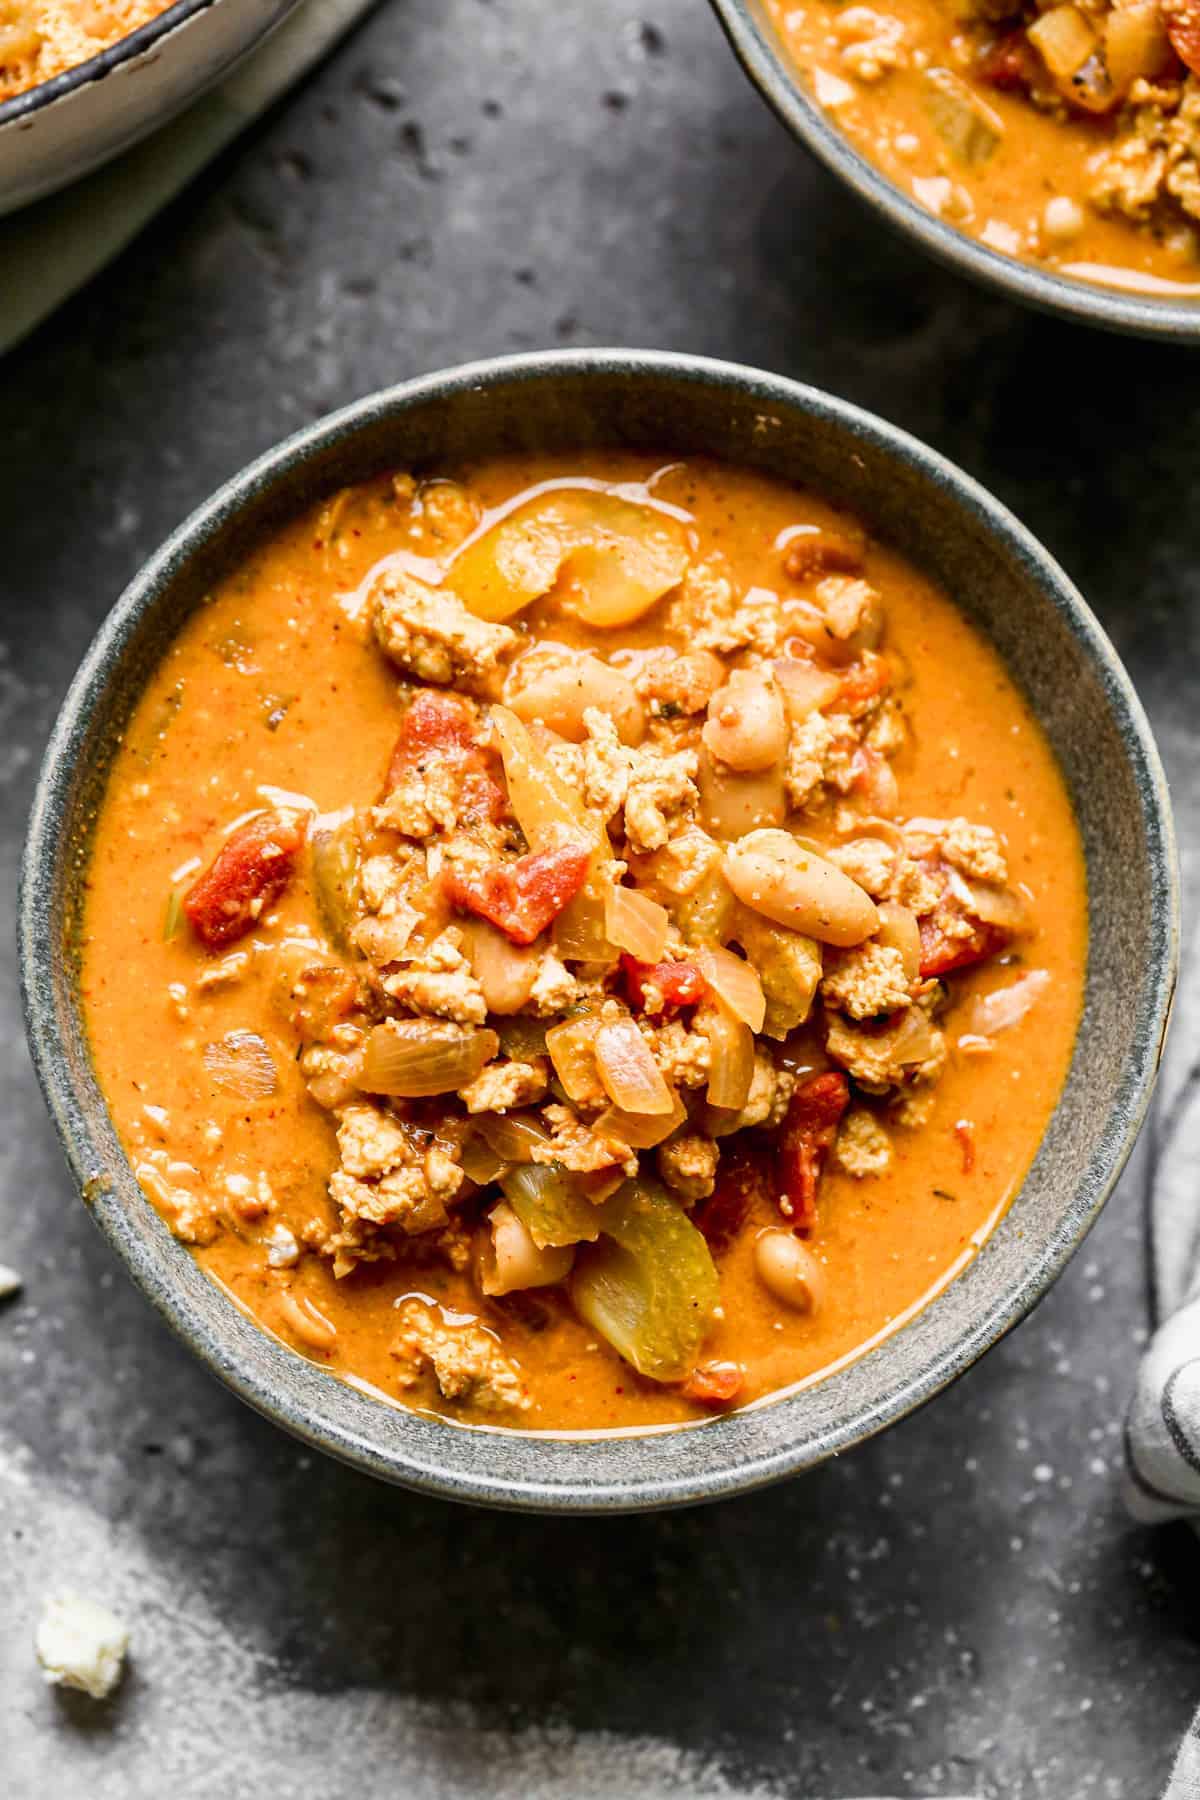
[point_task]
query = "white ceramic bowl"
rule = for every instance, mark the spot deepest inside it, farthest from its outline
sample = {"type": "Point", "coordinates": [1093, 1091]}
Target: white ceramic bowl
{"type": "Point", "coordinates": [69, 125]}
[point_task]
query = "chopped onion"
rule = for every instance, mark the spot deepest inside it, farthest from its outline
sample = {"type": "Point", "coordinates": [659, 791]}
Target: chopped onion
{"type": "Point", "coordinates": [735, 982]}
{"type": "Point", "coordinates": [1063, 38]}
{"type": "Point", "coordinates": [481, 1163]}
{"type": "Point", "coordinates": [335, 878]}
{"type": "Point", "coordinates": [572, 1047]}
{"type": "Point", "coordinates": [579, 933]}
{"type": "Point", "coordinates": [240, 1063]}
{"type": "Point", "coordinates": [898, 930]}
{"type": "Point", "coordinates": [1007, 1006]}
{"type": "Point", "coordinates": [640, 1131]}
{"type": "Point", "coordinates": [411, 1058]}
{"type": "Point", "coordinates": [512, 1135]}
{"type": "Point", "coordinates": [992, 905]}
{"type": "Point", "coordinates": [634, 922]}
{"type": "Point", "coordinates": [543, 803]}
{"type": "Point", "coordinates": [731, 1059]}
{"type": "Point", "coordinates": [1135, 43]}
{"type": "Point", "coordinates": [913, 1039]}
{"type": "Point", "coordinates": [628, 1071]}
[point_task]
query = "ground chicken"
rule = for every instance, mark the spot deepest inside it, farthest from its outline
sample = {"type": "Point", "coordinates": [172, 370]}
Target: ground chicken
{"type": "Point", "coordinates": [974, 850]}
{"type": "Point", "coordinates": [386, 1177]}
{"type": "Point", "coordinates": [682, 1054]}
{"type": "Point", "coordinates": [688, 1165]}
{"type": "Point", "coordinates": [673, 686]}
{"type": "Point", "coordinates": [770, 1091]}
{"type": "Point", "coordinates": [869, 861]}
{"type": "Point", "coordinates": [866, 981]}
{"type": "Point", "coordinates": [578, 1148]}
{"type": "Point", "coordinates": [661, 797]}
{"type": "Point", "coordinates": [439, 982]}
{"type": "Point", "coordinates": [554, 988]}
{"type": "Point", "coordinates": [852, 608]}
{"type": "Point", "coordinates": [711, 616]}
{"type": "Point", "coordinates": [505, 1084]}
{"type": "Point", "coordinates": [466, 1360]}
{"type": "Point", "coordinates": [903, 1051]}
{"type": "Point", "coordinates": [863, 1146]}
{"type": "Point", "coordinates": [605, 764]}
{"type": "Point", "coordinates": [429, 632]}
{"type": "Point", "coordinates": [872, 42]}
{"type": "Point", "coordinates": [1156, 160]}
{"type": "Point", "coordinates": [422, 801]}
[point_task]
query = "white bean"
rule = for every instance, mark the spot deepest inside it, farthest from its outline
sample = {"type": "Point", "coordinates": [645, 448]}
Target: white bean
{"type": "Point", "coordinates": [733, 804]}
{"type": "Point", "coordinates": [505, 971]}
{"type": "Point", "coordinates": [746, 726]}
{"type": "Point", "coordinates": [512, 1260]}
{"type": "Point", "coordinates": [789, 1270]}
{"type": "Point", "coordinates": [775, 875]}
{"type": "Point", "coordinates": [559, 697]}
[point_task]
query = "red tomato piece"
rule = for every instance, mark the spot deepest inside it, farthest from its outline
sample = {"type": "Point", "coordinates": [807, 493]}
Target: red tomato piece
{"type": "Point", "coordinates": [1010, 64]}
{"type": "Point", "coordinates": [247, 875]}
{"type": "Point", "coordinates": [523, 897]}
{"type": "Point", "coordinates": [941, 954]}
{"type": "Point", "coordinates": [714, 1383]}
{"type": "Point", "coordinates": [805, 1138]}
{"type": "Point", "coordinates": [1183, 29]}
{"type": "Point", "coordinates": [679, 983]}
{"type": "Point", "coordinates": [742, 1180]}
{"type": "Point", "coordinates": [441, 728]}
{"type": "Point", "coordinates": [862, 683]}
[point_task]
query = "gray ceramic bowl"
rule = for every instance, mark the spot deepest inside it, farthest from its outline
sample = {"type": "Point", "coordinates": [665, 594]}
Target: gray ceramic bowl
{"type": "Point", "coordinates": [1006, 583]}
{"type": "Point", "coordinates": [761, 54]}
{"type": "Point", "coordinates": [67, 126]}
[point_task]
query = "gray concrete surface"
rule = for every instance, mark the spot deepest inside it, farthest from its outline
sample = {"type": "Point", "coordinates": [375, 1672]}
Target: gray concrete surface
{"type": "Point", "coordinates": [958, 1609]}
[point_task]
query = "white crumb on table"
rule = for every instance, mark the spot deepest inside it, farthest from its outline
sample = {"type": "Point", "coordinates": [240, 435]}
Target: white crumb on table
{"type": "Point", "coordinates": [10, 1282]}
{"type": "Point", "coordinates": [80, 1644]}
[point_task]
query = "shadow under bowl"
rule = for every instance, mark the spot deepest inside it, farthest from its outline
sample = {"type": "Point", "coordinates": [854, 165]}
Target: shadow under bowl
{"type": "Point", "coordinates": [1004, 582]}
{"type": "Point", "coordinates": [765, 59]}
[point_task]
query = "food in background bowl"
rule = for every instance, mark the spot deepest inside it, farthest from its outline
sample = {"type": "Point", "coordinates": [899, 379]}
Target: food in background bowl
{"type": "Point", "coordinates": [576, 942]}
{"type": "Point", "coordinates": [1067, 135]}
{"type": "Point", "coordinates": [42, 38]}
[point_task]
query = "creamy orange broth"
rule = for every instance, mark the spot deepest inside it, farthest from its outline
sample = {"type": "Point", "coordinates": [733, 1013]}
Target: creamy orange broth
{"type": "Point", "coordinates": [42, 38]}
{"type": "Point", "coordinates": [1046, 154]}
{"type": "Point", "coordinates": [274, 684]}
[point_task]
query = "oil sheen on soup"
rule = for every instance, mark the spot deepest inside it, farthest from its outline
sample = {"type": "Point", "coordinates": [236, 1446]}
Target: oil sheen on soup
{"type": "Point", "coordinates": [581, 943]}
{"type": "Point", "coordinates": [1067, 135]}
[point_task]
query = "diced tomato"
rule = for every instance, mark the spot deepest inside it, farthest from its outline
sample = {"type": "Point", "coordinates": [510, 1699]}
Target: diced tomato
{"type": "Point", "coordinates": [862, 683]}
{"type": "Point", "coordinates": [523, 897]}
{"type": "Point", "coordinates": [247, 875]}
{"type": "Point", "coordinates": [743, 1178]}
{"type": "Point", "coordinates": [1183, 29]}
{"type": "Point", "coordinates": [1010, 64]}
{"type": "Point", "coordinates": [440, 729]}
{"type": "Point", "coordinates": [941, 953]}
{"type": "Point", "coordinates": [805, 1138]}
{"type": "Point", "coordinates": [679, 983]}
{"type": "Point", "coordinates": [714, 1383]}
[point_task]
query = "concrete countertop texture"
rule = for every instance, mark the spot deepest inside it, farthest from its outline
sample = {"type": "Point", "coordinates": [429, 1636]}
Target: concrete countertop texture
{"type": "Point", "coordinates": [958, 1608]}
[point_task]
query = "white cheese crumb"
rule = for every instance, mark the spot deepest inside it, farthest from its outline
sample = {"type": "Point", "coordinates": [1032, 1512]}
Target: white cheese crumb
{"type": "Point", "coordinates": [10, 1282]}
{"type": "Point", "coordinates": [80, 1644]}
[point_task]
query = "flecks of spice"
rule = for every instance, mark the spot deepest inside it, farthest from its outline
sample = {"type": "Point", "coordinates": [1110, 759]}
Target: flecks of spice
{"type": "Point", "coordinates": [944, 1194]}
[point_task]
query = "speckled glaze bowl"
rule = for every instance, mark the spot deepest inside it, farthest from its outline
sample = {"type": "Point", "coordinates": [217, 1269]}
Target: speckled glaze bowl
{"type": "Point", "coordinates": [1004, 581]}
{"type": "Point", "coordinates": [764, 58]}
{"type": "Point", "coordinates": [66, 127]}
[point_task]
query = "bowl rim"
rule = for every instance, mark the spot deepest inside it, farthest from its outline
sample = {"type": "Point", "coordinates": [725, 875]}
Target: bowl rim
{"type": "Point", "coordinates": [94, 68]}
{"type": "Point", "coordinates": [185, 1299]}
{"type": "Point", "coordinates": [757, 48]}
